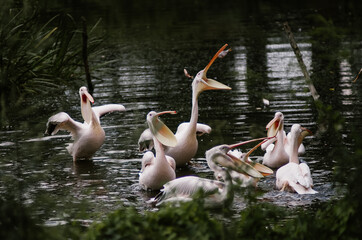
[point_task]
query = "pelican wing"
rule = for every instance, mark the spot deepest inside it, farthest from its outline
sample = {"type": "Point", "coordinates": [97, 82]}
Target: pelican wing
{"type": "Point", "coordinates": [171, 161]}
{"type": "Point", "coordinates": [185, 188]}
{"type": "Point", "coordinates": [201, 128]}
{"type": "Point", "coordinates": [108, 108]}
{"type": "Point", "coordinates": [147, 159]}
{"type": "Point", "coordinates": [145, 142]}
{"type": "Point", "coordinates": [62, 121]}
{"type": "Point", "coordinates": [305, 171]}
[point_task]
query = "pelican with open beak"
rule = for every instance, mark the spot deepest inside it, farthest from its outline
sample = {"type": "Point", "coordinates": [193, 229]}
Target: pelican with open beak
{"type": "Point", "coordinates": [187, 132]}
{"type": "Point", "coordinates": [158, 169]}
{"type": "Point", "coordinates": [215, 193]}
{"type": "Point", "coordinates": [88, 136]}
{"type": "Point", "coordinates": [277, 154]}
{"type": "Point", "coordinates": [242, 179]}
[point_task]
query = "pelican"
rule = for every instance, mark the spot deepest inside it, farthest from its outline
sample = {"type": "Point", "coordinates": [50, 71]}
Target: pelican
{"type": "Point", "coordinates": [88, 136]}
{"type": "Point", "coordinates": [277, 154]}
{"type": "Point", "coordinates": [186, 133]}
{"type": "Point", "coordinates": [158, 170]}
{"type": "Point", "coordinates": [293, 176]}
{"type": "Point", "coordinates": [216, 193]}
{"type": "Point", "coordinates": [242, 179]}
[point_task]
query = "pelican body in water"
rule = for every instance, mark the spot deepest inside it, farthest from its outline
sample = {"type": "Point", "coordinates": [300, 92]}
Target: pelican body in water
{"type": "Point", "coordinates": [295, 176]}
{"type": "Point", "coordinates": [88, 136]}
{"type": "Point", "coordinates": [277, 154]}
{"type": "Point", "coordinates": [158, 169]}
{"type": "Point", "coordinates": [215, 193]}
{"type": "Point", "coordinates": [186, 133]}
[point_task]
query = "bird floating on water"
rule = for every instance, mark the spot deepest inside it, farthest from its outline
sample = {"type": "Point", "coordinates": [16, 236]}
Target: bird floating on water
{"type": "Point", "coordinates": [215, 193]}
{"type": "Point", "coordinates": [158, 169]}
{"type": "Point", "coordinates": [186, 133]}
{"type": "Point", "coordinates": [278, 154]}
{"type": "Point", "coordinates": [88, 136]}
{"type": "Point", "coordinates": [295, 176]}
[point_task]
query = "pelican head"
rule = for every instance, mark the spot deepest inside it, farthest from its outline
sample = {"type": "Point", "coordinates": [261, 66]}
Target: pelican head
{"type": "Point", "coordinates": [85, 100]}
{"type": "Point", "coordinates": [275, 125]}
{"type": "Point", "coordinates": [220, 155]}
{"type": "Point", "coordinates": [202, 83]}
{"type": "Point", "coordinates": [85, 96]}
{"type": "Point", "coordinates": [160, 130]}
{"type": "Point", "coordinates": [299, 133]}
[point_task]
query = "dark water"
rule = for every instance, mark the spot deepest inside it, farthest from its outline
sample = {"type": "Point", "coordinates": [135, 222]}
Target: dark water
{"type": "Point", "coordinates": [153, 44]}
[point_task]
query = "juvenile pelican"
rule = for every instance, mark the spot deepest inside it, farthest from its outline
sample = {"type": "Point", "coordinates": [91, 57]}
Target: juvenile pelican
{"type": "Point", "coordinates": [158, 170]}
{"type": "Point", "coordinates": [293, 176]}
{"type": "Point", "coordinates": [215, 193]}
{"type": "Point", "coordinates": [186, 133]}
{"type": "Point", "coordinates": [277, 154]}
{"type": "Point", "coordinates": [88, 136]}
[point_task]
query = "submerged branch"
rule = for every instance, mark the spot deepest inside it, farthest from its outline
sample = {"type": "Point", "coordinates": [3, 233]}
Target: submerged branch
{"type": "Point", "coordinates": [357, 76]}
{"type": "Point", "coordinates": [299, 56]}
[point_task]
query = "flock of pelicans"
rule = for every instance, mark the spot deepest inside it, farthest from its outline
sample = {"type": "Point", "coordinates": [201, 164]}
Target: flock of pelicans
{"type": "Point", "coordinates": [163, 150]}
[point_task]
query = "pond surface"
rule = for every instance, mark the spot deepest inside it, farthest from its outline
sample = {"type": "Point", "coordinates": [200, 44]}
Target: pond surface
{"type": "Point", "coordinates": [152, 52]}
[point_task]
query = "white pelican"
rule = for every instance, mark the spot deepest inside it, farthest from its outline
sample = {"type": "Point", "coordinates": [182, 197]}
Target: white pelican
{"type": "Point", "coordinates": [186, 133]}
{"type": "Point", "coordinates": [158, 170]}
{"type": "Point", "coordinates": [277, 154]}
{"type": "Point", "coordinates": [293, 176]}
{"type": "Point", "coordinates": [215, 193]}
{"type": "Point", "coordinates": [88, 136]}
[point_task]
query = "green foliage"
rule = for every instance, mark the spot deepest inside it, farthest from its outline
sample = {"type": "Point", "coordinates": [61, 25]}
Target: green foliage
{"type": "Point", "coordinates": [189, 221]}
{"type": "Point", "coordinates": [36, 57]}
{"type": "Point", "coordinates": [258, 221]}
{"type": "Point", "coordinates": [16, 222]}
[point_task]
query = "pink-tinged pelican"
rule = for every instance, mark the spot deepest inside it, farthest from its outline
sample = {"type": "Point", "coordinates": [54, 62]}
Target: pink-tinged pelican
{"type": "Point", "coordinates": [88, 136]}
{"type": "Point", "coordinates": [186, 133]}
{"type": "Point", "coordinates": [295, 176]}
{"type": "Point", "coordinates": [277, 154]}
{"type": "Point", "coordinates": [215, 193]}
{"type": "Point", "coordinates": [160, 169]}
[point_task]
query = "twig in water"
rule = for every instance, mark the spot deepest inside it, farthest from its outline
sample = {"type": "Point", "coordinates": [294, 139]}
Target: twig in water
{"type": "Point", "coordinates": [299, 56]}
{"type": "Point", "coordinates": [357, 76]}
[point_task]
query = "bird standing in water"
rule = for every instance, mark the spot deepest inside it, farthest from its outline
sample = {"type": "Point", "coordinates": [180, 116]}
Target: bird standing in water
{"type": "Point", "coordinates": [186, 133]}
{"type": "Point", "coordinates": [88, 136]}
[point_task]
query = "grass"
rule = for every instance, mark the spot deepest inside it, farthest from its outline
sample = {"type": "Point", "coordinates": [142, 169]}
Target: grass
{"type": "Point", "coordinates": [37, 58]}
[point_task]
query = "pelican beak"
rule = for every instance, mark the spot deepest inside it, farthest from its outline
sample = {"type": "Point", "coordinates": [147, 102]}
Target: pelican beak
{"type": "Point", "coordinates": [245, 168]}
{"type": "Point", "coordinates": [264, 170]}
{"type": "Point", "coordinates": [305, 132]}
{"type": "Point", "coordinates": [87, 95]}
{"type": "Point", "coordinates": [273, 127]}
{"type": "Point", "coordinates": [161, 131]}
{"type": "Point", "coordinates": [249, 167]}
{"type": "Point", "coordinates": [210, 83]}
